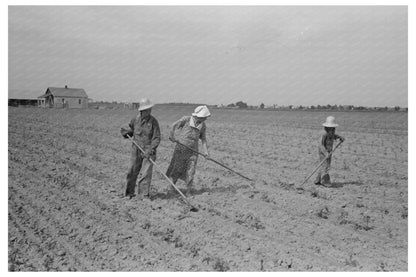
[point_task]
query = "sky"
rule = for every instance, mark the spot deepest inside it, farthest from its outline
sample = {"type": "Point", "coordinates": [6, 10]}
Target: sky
{"type": "Point", "coordinates": [283, 55]}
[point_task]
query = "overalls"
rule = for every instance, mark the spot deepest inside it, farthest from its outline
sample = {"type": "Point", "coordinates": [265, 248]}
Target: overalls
{"type": "Point", "coordinates": [146, 134]}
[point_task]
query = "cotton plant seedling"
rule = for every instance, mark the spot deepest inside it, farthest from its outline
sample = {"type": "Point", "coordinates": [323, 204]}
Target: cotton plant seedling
{"type": "Point", "coordinates": [345, 166]}
{"type": "Point", "coordinates": [350, 261]}
{"type": "Point", "coordinates": [404, 212]}
{"type": "Point", "coordinates": [254, 186]}
{"type": "Point", "coordinates": [323, 213]}
{"type": "Point", "coordinates": [366, 220]}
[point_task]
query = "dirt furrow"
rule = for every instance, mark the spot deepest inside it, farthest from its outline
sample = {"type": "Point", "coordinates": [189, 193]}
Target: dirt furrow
{"type": "Point", "coordinates": [57, 247]}
{"type": "Point", "coordinates": [277, 223]}
{"type": "Point", "coordinates": [24, 244]}
{"type": "Point", "coordinates": [67, 173]}
{"type": "Point", "coordinates": [309, 228]}
{"type": "Point", "coordinates": [66, 154]}
{"type": "Point", "coordinates": [279, 246]}
{"type": "Point", "coordinates": [112, 226]}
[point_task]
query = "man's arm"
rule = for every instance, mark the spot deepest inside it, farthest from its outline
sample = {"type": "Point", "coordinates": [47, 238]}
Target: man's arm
{"type": "Point", "coordinates": [156, 135]}
{"type": "Point", "coordinates": [131, 124]}
{"type": "Point", "coordinates": [124, 132]}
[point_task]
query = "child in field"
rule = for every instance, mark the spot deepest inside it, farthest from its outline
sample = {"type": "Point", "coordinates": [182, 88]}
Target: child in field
{"type": "Point", "coordinates": [326, 143]}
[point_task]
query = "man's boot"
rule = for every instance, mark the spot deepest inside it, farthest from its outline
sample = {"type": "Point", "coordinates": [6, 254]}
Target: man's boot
{"type": "Point", "coordinates": [326, 181]}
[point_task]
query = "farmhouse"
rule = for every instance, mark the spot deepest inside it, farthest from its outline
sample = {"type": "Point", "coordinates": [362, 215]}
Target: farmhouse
{"type": "Point", "coordinates": [63, 98]}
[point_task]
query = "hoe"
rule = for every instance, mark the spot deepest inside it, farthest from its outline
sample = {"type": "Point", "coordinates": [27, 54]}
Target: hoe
{"type": "Point", "coordinates": [217, 162]}
{"type": "Point", "coordinates": [319, 165]}
{"type": "Point", "coordinates": [192, 207]}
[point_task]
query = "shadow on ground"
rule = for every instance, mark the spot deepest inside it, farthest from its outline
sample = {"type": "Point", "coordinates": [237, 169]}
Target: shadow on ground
{"type": "Point", "coordinates": [342, 184]}
{"type": "Point", "coordinates": [172, 193]}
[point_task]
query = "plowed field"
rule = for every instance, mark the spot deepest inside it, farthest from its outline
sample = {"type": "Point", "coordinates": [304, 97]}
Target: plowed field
{"type": "Point", "coordinates": [67, 171]}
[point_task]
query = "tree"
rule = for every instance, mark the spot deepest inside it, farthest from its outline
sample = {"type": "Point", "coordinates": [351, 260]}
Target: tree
{"type": "Point", "coordinates": [262, 106]}
{"type": "Point", "coordinates": [241, 104]}
{"type": "Point", "coordinates": [231, 105]}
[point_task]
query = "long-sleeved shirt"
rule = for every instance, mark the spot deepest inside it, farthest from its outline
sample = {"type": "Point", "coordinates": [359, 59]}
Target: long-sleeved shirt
{"type": "Point", "coordinates": [146, 131]}
{"type": "Point", "coordinates": [189, 131]}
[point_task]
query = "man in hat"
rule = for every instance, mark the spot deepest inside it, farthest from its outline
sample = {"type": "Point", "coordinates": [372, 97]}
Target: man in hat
{"type": "Point", "coordinates": [145, 131]}
{"type": "Point", "coordinates": [326, 143]}
{"type": "Point", "coordinates": [190, 129]}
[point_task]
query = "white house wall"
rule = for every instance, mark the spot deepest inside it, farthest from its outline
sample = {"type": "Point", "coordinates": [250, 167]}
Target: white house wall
{"type": "Point", "coordinates": [72, 103]}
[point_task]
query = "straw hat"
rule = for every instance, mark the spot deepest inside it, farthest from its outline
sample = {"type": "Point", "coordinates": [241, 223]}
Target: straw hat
{"type": "Point", "coordinates": [145, 104]}
{"type": "Point", "coordinates": [330, 122]}
{"type": "Point", "coordinates": [201, 111]}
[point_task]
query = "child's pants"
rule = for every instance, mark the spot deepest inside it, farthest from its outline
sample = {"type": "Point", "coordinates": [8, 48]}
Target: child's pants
{"type": "Point", "coordinates": [323, 173]}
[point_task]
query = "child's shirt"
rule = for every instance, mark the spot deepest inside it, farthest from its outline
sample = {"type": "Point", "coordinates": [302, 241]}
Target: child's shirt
{"type": "Point", "coordinates": [326, 141]}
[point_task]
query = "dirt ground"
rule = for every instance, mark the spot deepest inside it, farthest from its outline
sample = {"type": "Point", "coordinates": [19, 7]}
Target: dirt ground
{"type": "Point", "coordinates": [67, 171]}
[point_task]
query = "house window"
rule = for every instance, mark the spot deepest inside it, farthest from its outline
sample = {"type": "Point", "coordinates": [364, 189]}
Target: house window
{"type": "Point", "coordinates": [79, 101]}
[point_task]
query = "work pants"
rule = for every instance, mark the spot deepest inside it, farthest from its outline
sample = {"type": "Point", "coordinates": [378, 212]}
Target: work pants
{"type": "Point", "coordinates": [139, 165]}
{"type": "Point", "coordinates": [323, 174]}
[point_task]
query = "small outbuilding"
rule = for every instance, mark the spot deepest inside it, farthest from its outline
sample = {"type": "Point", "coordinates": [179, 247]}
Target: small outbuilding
{"type": "Point", "coordinates": [55, 97]}
{"type": "Point", "coordinates": [131, 105]}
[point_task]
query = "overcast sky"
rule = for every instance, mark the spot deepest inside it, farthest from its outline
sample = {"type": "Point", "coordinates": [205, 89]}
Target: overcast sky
{"type": "Point", "coordinates": [214, 55]}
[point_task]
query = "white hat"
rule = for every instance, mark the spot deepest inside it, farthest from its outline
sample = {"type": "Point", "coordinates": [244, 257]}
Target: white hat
{"type": "Point", "coordinates": [330, 122]}
{"type": "Point", "coordinates": [201, 111]}
{"type": "Point", "coordinates": [145, 104]}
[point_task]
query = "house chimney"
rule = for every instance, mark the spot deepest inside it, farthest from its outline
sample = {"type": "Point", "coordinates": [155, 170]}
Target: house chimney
{"type": "Point", "coordinates": [66, 86]}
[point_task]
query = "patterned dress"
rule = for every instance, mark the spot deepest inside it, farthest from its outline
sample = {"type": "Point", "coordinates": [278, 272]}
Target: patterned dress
{"type": "Point", "coordinates": [183, 163]}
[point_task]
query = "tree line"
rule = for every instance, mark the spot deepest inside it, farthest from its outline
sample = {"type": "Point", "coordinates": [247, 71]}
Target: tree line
{"type": "Point", "coordinates": [262, 106]}
{"type": "Point", "coordinates": [243, 105]}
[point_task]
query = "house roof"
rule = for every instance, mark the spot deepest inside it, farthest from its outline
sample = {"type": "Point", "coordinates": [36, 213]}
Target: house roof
{"type": "Point", "coordinates": [66, 92]}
